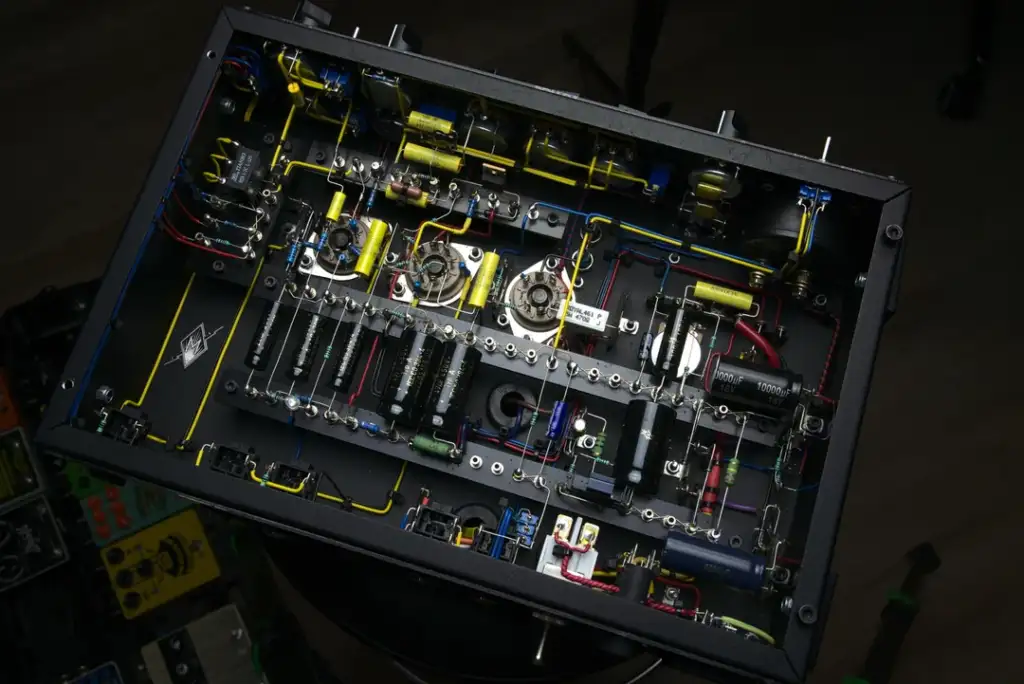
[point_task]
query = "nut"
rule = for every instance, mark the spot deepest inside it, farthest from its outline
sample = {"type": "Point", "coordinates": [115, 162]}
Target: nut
{"type": "Point", "coordinates": [475, 462]}
{"type": "Point", "coordinates": [497, 468]}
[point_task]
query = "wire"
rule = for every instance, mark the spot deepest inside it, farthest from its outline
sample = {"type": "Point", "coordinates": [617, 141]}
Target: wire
{"type": "Point", "coordinates": [643, 674]}
{"type": "Point", "coordinates": [828, 356]}
{"type": "Point", "coordinates": [579, 579]}
{"type": "Point", "coordinates": [223, 353]}
{"type": "Point", "coordinates": [384, 510]}
{"type": "Point", "coordinates": [366, 368]}
{"type": "Point", "coordinates": [739, 624]}
{"type": "Point", "coordinates": [572, 286]}
{"type": "Point", "coordinates": [163, 348]}
{"type": "Point", "coordinates": [409, 674]}
{"type": "Point", "coordinates": [284, 134]}
{"type": "Point", "coordinates": [154, 438]}
{"type": "Point", "coordinates": [192, 242]}
{"type": "Point", "coordinates": [770, 355]}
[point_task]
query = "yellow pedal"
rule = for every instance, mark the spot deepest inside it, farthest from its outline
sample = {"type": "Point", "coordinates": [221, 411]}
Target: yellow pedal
{"type": "Point", "coordinates": [160, 563]}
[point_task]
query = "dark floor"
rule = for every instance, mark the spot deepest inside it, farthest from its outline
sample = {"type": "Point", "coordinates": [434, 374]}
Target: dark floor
{"type": "Point", "coordinates": [89, 88]}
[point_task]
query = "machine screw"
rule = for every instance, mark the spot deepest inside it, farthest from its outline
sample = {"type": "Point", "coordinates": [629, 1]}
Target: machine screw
{"type": "Point", "coordinates": [893, 233]}
{"type": "Point", "coordinates": [105, 394]}
{"type": "Point", "coordinates": [269, 138]}
{"type": "Point", "coordinates": [226, 105]}
{"type": "Point", "coordinates": [807, 614]}
{"type": "Point", "coordinates": [218, 266]}
{"type": "Point", "coordinates": [230, 386]}
{"type": "Point", "coordinates": [756, 280]}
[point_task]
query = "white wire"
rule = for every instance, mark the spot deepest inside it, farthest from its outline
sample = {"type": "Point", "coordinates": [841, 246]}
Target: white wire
{"type": "Point", "coordinates": [654, 666]}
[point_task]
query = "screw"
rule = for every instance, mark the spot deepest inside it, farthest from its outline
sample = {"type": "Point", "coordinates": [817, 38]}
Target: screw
{"type": "Point", "coordinates": [230, 386]}
{"type": "Point", "coordinates": [269, 138]}
{"type": "Point", "coordinates": [105, 394]}
{"type": "Point", "coordinates": [226, 105]}
{"type": "Point", "coordinates": [270, 282]}
{"type": "Point", "coordinates": [319, 156]}
{"type": "Point", "coordinates": [807, 614]}
{"type": "Point", "coordinates": [893, 233]}
{"type": "Point", "coordinates": [218, 266]}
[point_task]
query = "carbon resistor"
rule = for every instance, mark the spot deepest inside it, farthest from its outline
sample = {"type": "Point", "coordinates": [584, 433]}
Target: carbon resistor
{"type": "Point", "coordinates": [263, 342]}
{"type": "Point", "coordinates": [322, 241]}
{"type": "Point", "coordinates": [371, 428]}
{"type": "Point", "coordinates": [371, 199]}
{"type": "Point", "coordinates": [481, 291]}
{"type": "Point", "coordinates": [599, 441]}
{"type": "Point", "coordinates": [732, 470]}
{"type": "Point", "coordinates": [345, 369]}
{"type": "Point", "coordinates": [293, 251]}
{"type": "Point", "coordinates": [557, 420]}
{"type": "Point", "coordinates": [302, 362]}
{"type": "Point", "coordinates": [371, 247]}
{"type": "Point", "coordinates": [711, 488]}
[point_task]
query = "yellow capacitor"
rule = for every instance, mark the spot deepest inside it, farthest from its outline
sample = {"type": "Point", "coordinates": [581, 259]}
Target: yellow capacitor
{"type": "Point", "coordinates": [295, 91]}
{"type": "Point", "coordinates": [371, 247]}
{"type": "Point", "coordinates": [420, 201]}
{"type": "Point", "coordinates": [708, 191]}
{"type": "Point", "coordinates": [424, 155]}
{"type": "Point", "coordinates": [429, 124]}
{"type": "Point", "coordinates": [337, 204]}
{"type": "Point", "coordinates": [723, 295]}
{"type": "Point", "coordinates": [483, 280]}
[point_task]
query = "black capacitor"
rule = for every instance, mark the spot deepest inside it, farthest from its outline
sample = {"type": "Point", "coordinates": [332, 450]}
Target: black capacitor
{"type": "Point", "coordinates": [451, 387]}
{"type": "Point", "coordinates": [409, 383]}
{"type": "Point", "coordinates": [265, 338]}
{"type": "Point", "coordinates": [302, 360]}
{"type": "Point", "coordinates": [352, 336]}
{"type": "Point", "coordinates": [695, 556]}
{"type": "Point", "coordinates": [741, 384]}
{"type": "Point", "coordinates": [643, 446]}
{"type": "Point", "coordinates": [633, 582]}
{"type": "Point", "coordinates": [673, 341]}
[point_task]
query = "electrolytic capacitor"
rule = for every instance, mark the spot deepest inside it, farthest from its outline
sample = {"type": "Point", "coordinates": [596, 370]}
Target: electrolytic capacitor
{"type": "Point", "coordinates": [556, 423]}
{"type": "Point", "coordinates": [710, 497]}
{"type": "Point", "coordinates": [643, 446]}
{"type": "Point", "coordinates": [742, 384]}
{"type": "Point", "coordinates": [353, 335]}
{"type": "Point", "coordinates": [265, 338]}
{"type": "Point", "coordinates": [450, 392]}
{"type": "Point", "coordinates": [695, 556]}
{"type": "Point", "coordinates": [405, 397]}
{"type": "Point", "coordinates": [302, 361]}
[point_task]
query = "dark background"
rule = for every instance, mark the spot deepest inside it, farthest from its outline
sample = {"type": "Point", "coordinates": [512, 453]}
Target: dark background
{"type": "Point", "coordinates": [88, 89]}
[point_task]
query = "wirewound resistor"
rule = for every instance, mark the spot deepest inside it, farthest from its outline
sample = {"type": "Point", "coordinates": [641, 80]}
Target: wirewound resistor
{"type": "Point", "coordinates": [345, 370]}
{"type": "Point", "coordinates": [599, 441]}
{"type": "Point", "coordinates": [371, 247]}
{"type": "Point", "coordinates": [431, 447]}
{"type": "Point", "coordinates": [557, 420]}
{"type": "Point", "coordinates": [303, 359]}
{"type": "Point", "coordinates": [483, 280]}
{"type": "Point", "coordinates": [337, 204]}
{"type": "Point", "coordinates": [263, 342]}
{"type": "Point", "coordinates": [732, 470]}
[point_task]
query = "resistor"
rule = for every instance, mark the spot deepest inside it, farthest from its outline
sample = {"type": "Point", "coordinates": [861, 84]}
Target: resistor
{"type": "Point", "coordinates": [371, 199]}
{"type": "Point", "coordinates": [557, 420]}
{"type": "Point", "coordinates": [259, 350]}
{"type": "Point", "coordinates": [732, 470]}
{"type": "Point", "coordinates": [372, 428]}
{"type": "Point", "coordinates": [644, 352]}
{"type": "Point", "coordinates": [711, 488]}
{"type": "Point", "coordinates": [323, 240]}
{"type": "Point", "coordinates": [471, 209]}
{"type": "Point", "coordinates": [292, 253]}
{"type": "Point", "coordinates": [598, 445]}
{"type": "Point", "coordinates": [431, 447]}
{"type": "Point", "coordinates": [303, 360]}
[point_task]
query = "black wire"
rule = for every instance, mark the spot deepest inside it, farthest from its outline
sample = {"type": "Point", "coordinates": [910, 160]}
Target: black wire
{"type": "Point", "coordinates": [334, 485]}
{"type": "Point", "coordinates": [409, 674]}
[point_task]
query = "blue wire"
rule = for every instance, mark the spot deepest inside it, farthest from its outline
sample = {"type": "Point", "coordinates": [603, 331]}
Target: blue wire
{"type": "Point", "coordinates": [242, 48]}
{"type": "Point", "coordinates": [664, 278]}
{"type": "Point", "coordinates": [515, 428]}
{"type": "Point", "coordinates": [405, 519]}
{"type": "Point", "coordinates": [502, 529]}
{"type": "Point", "coordinates": [810, 235]}
{"type": "Point", "coordinates": [762, 469]}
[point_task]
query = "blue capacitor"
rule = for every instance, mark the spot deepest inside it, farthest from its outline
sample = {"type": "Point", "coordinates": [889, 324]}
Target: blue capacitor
{"type": "Point", "coordinates": [695, 556]}
{"type": "Point", "coordinates": [557, 420]}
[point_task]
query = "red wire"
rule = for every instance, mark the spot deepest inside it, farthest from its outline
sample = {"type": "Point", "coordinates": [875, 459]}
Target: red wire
{"type": "Point", "coordinates": [191, 218]}
{"type": "Point", "coordinates": [366, 370]}
{"type": "Point", "coordinates": [686, 612]}
{"type": "Point", "coordinates": [789, 561]}
{"type": "Point", "coordinates": [683, 585]}
{"type": "Point", "coordinates": [490, 225]}
{"type": "Point", "coordinates": [828, 356]}
{"type": "Point", "coordinates": [593, 584]}
{"type": "Point", "coordinates": [803, 461]}
{"type": "Point", "coordinates": [583, 548]}
{"type": "Point", "coordinates": [770, 355]}
{"type": "Point", "coordinates": [174, 233]}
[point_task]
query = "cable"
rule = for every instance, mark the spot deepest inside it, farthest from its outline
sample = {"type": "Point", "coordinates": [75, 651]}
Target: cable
{"type": "Point", "coordinates": [192, 242]}
{"type": "Point", "coordinates": [384, 510]}
{"type": "Point", "coordinates": [828, 356]}
{"type": "Point", "coordinates": [648, 670]}
{"type": "Point", "coordinates": [579, 579]}
{"type": "Point", "coordinates": [223, 353]}
{"type": "Point", "coordinates": [770, 355]}
{"type": "Point", "coordinates": [163, 348]}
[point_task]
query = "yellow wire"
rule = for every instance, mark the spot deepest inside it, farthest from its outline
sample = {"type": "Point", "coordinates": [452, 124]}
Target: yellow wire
{"type": "Point", "coordinates": [308, 82]}
{"type": "Point", "coordinates": [605, 573]}
{"type": "Point", "coordinates": [551, 176]}
{"type": "Point", "coordinates": [572, 286]}
{"type": "Point", "coordinates": [462, 298]}
{"type": "Point", "coordinates": [163, 348]}
{"type": "Point", "coordinates": [487, 156]}
{"type": "Point", "coordinates": [220, 144]}
{"type": "Point", "coordinates": [223, 353]}
{"type": "Point", "coordinates": [800, 235]}
{"type": "Point", "coordinates": [251, 108]}
{"type": "Point", "coordinates": [305, 165]}
{"type": "Point", "coordinates": [284, 134]}
{"type": "Point", "coordinates": [158, 440]}
{"type": "Point", "coordinates": [401, 148]}
{"type": "Point", "coordinates": [440, 226]}
{"type": "Point", "coordinates": [199, 456]}
{"type": "Point", "coordinates": [367, 509]}
{"type": "Point", "coordinates": [724, 257]}
{"type": "Point", "coordinates": [291, 490]}
{"type": "Point", "coordinates": [750, 628]}
{"type": "Point", "coordinates": [344, 124]}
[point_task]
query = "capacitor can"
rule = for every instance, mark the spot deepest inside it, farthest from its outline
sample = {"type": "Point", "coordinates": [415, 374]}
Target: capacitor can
{"type": "Point", "coordinates": [409, 383]}
{"type": "Point", "coordinates": [352, 337]}
{"type": "Point", "coordinates": [743, 384]}
{"type": "Point", "coordinates": [450, 392]}
{"type": "Point", "coordinates": [556, 423]}
{"type": "Point", "coordinates": [701, 558]}
{"type": "Point", "coordinates": [643, 446]}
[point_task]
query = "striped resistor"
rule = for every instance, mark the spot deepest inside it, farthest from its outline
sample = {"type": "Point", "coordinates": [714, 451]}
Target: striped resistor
{"type": "Point", "coordinates": [599, 441]}
{"type": "Point", "coordinates": [293, 251]}
{"type": "Point", "coordinates": [732, 470]}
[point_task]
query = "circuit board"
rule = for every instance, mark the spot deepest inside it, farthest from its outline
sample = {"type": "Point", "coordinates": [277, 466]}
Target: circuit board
{"type": "Point", "coordinates": [567, 352]}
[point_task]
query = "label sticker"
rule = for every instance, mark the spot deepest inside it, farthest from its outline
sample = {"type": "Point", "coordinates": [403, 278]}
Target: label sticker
{"type": "Point", "coordinates": [193, 345]}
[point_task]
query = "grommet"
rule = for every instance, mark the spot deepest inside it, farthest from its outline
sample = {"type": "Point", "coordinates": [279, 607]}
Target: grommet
{"type": "Point", "coordinates": [807, 614]}
{"type": "Point", "coordinates": [475, 462]}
